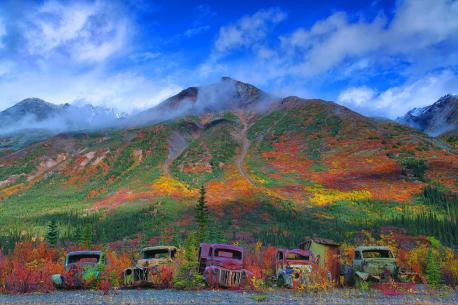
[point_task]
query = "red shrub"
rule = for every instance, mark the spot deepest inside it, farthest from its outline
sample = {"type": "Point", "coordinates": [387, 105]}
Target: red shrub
{"type": "Point", "coordinates": [29, 268]}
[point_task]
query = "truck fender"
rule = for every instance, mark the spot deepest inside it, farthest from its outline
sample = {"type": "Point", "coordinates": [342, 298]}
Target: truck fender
{"type": "Point", "coordinates": [57, 280]}
{"type": "Point", "coordinates": [362, 275]}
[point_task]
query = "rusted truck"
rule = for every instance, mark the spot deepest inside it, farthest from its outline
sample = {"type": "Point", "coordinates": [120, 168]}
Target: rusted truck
{"type": "Point", "coordinates": [223, 266]}
{"type": "Point", "coordinates": [80, 269]}
{"type": "Point", "coordinates": [377, 264]}
{"type": "Point", "coordinates": [154, 269]}
{"type": "Point", "coordinates": [293, 267]}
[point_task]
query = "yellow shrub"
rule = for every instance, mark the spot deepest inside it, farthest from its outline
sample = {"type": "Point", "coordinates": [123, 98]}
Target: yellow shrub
{"type": "Point", "coordinates": [326, 196]}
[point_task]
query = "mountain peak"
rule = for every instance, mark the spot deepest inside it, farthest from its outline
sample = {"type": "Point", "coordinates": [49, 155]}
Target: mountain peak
{"type": "Point", "coordinates": [225, 95]}
{"type": "Point", "coordinates": [35, 113]}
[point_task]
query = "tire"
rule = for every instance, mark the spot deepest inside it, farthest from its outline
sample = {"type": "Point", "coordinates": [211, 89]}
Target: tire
{"type": "Point", "coordinates": [281, 281]}
{"type": "Point", "coordinates": [358, 282]}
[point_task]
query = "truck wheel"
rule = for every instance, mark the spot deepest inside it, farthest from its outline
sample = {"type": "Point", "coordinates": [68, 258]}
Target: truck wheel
{"type": "Point", "coordinates": [281, 281]}
{"type": "Point", "coordinates": [359, 283]}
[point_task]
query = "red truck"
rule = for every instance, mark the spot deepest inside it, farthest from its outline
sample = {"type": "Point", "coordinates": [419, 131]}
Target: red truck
{"type": "Point", "coordinates": [223, 266]}
{"type": "Point", "coordinates": [293, 267]}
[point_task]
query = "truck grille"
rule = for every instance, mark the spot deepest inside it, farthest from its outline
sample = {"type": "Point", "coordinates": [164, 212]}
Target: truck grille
{"type": "Point", "coordinates": [229, 278]}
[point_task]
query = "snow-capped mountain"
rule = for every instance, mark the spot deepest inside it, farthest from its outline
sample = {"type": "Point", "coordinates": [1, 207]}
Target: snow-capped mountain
{"type": "Point", "coordinates": [36, 114]}
{"type": "Point", "coordinates": [436, 119]}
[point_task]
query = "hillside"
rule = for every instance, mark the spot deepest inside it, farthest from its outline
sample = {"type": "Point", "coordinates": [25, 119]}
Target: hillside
{"type": "Point", "coordinates": [297, 167]}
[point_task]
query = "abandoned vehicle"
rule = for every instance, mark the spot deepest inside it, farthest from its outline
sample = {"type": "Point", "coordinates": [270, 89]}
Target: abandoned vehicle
{"type": "Point", "coordinates": [81, 268]}
{"type": "Point", "coordinates": [293, 267]}
{"type": "Point", "coordinates": [377, 264]}
{"type": "Point", "coordinates": [223, 266]}
{"type": "Point", "coordinates": [155, 268]}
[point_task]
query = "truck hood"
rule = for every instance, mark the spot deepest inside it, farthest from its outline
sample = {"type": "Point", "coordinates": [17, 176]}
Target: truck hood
{"type": "Point", "coordinates": [228, 263]}
{"type": "Point", "coordinates": [379, 265]}
{"type": "Point", "coordinates": [380, 260]}
{"type": "Point", "coordinates": [82, 266]}
{"type": "Point", "coordinates": [301, 267]}
{"type": "Point", "coordinates": [143, 263]}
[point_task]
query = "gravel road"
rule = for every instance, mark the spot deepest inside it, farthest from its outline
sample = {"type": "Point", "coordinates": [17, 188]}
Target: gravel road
{"type": "Point", "coordinates": [148, 296]}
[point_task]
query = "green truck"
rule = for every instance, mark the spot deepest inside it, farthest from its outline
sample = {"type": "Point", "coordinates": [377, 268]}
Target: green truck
{"type": "Point", "coordinates": [81, 268]}
{"type": "Point", "coordinates": [377, 264]}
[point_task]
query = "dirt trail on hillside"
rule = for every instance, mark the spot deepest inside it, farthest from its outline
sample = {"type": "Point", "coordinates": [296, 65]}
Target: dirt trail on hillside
{"type": "Point", "coordinates": [177, 144]}
{"type": "Point", "coordinates": [245, 146]}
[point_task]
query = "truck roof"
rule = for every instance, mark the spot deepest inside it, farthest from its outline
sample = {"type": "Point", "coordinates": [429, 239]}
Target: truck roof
{"type": "Point", "coordinates": [171, 248]}
{"type": "Point", "coordinates": [223, 246]}
{"type": "Point", "coordinates": [365, 248]}
{"type": "Point", "coordinates": [319, 240]}
{"type": "Point", "coordinates": [85, 252]}
{"type": "Point", "coordinates": [298, 251]}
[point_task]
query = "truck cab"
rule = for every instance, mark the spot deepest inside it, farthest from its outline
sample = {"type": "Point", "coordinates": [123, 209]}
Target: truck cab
{"type": "Point", "coordinates": [79, 267]}
{"type": "Point", "coordinates": [293, 267]}
{"type": "Point", "coordinates": [375, 263]}
{"type": "Point", "coordinates": [223, 265]}
{"type": "Point", "coordinates": [150, 267]}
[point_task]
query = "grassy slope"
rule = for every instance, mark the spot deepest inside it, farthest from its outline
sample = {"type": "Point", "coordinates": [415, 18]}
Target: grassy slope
{"type": "Point", "coordinates": [317, 167]}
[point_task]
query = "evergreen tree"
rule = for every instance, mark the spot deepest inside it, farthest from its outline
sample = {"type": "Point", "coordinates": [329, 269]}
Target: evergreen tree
{"type": "Point", "coordinates": [202, 216]}
{"type": "Point", "coordinates": [432, 272]}
{"type": "Point", "coordinates": [52, 233]}
{"type": "Point", "coordinates": [87, 236]}
{"type": "Point", "coordinates": [144, 241]}
{"type": "Point", "coordinates": [187, 275]}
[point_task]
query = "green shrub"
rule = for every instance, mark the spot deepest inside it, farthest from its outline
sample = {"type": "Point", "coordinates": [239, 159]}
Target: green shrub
{"type": "Point", "coordinates": [187, 276]}
{"type": "Point", "coordinates": [432, 270]}
{"type": "Point", "coordinates": [414, 167]}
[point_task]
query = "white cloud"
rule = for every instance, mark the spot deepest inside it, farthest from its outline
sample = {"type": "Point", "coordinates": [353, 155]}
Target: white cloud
{"type": "Point", "coordinates": [248, 30]}
{"type": "Point", "coordinates": [329, 42]}
{"type": "Point", "coordinates": [122, 91]}
{"type": "Point", "coordinates": [84, 31]}
{"type": "Point", "coordinates": [356, 96]}
{"type": "Point", "coordinates": [339, 44]}
{"type": "Point", "coordinates": [422, 23]}
{"type": "Point", "coordinates": [416, 25]}
{"type": "Point", "coordinates": [396, 101]}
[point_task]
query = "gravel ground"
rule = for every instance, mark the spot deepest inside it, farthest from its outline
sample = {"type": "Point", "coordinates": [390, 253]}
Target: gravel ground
{"type": "Point", "coordinates": [148, 296]}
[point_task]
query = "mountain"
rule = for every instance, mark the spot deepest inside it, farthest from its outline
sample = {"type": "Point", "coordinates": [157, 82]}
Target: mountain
{"type": "Point", "coordinates": [33, 108]}
{"type": "Point", "coordinates": [273, 172]}
{"type": "Point", "coordinates": [38, 115]}
{"type": "Point", "coordinates": [227, 94]}
{"type": "Point", "coordinates": [436, 119]}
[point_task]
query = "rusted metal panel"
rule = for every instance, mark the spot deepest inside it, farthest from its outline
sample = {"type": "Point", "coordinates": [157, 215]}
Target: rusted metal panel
{"type": "Point", "coordinates": [223, 265]}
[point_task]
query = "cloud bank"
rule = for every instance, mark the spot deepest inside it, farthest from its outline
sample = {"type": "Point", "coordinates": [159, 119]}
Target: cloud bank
{"type": "Point", "coordinates": [115, 54]}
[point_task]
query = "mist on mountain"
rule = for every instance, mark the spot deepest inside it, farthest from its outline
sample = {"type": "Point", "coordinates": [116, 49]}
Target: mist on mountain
{"type": "Point", "coordinates": [36, 114]}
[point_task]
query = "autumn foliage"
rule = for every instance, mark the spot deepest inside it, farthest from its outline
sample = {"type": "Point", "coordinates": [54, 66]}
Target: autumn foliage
{"type": "Point", "coordinates": [29, 268]}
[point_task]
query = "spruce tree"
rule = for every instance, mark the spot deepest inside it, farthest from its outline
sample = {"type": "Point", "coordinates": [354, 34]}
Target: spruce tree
{"type": "Point", "coordinates": [87, 236]}
{"type": "Point", "coordinates": [52, 233]}
{"type": "Point", "coordinates": [432, 272]}
{"type": "Point", "coordinates": [202, 216]}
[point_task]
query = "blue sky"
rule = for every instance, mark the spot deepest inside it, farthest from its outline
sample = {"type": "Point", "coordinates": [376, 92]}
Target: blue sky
{"type": "Point", "coordinates": [377, 57]}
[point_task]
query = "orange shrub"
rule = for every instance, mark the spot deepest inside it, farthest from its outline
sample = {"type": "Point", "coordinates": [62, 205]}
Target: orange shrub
{"type": "Point", "coordinates": [29, 268]}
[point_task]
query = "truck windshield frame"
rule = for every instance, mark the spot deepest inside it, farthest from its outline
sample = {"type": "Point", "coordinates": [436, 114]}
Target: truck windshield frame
{"type": "Point", "coordinates": [377, 253]}
{"type": "Point", "coordinates": [83, 258]}
{"type": "Point", "coordinates": [227, 253]}
{"type": "Point", "coordinates": [156, 254]}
